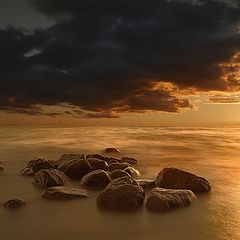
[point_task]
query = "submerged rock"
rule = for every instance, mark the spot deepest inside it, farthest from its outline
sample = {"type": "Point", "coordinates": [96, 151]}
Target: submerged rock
{"type": "Point", "coordinates": [118, 174]}
{"type": "Point", "coordinates": [129, 160]}
{"type": "Point", "coordinates": [64, 193]}
{"type": "Point", "coordinates": [161, 199]}
{"type": "Point", "coordinates": [96, 179]}
{"type": "Point", "coordinates": [97, 164]}
{"type": "Point", "coordinates": [146, 183]}
{"type": "Point", "coordinates": [15, 203]}
{"type": "Point", "coordinates": [45, 178]}
{"type": "Point", "coordinates": [174, 178]}
{"type": "Point", "coordinates": [2, 169]}
{"type": "Point", "coordinates": [37, 164]}
{"type": "Point", "coordinates": [76, 169]}
{"type": "Point", "coordinates": [121, 197]}
{"type": "Point", "coordinates": [121, 166]}
{"type": "Point", "coordinates": [111, 150]}
{"type": "Point", "coordinates": [132, 171]}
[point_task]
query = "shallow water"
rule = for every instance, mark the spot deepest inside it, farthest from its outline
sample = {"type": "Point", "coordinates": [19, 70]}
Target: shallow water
{"type": "Point", "coordinates": [210, 152]}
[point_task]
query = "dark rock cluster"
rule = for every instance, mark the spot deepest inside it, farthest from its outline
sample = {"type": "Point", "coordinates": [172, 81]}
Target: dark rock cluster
{"type": "Point", "coordinates": [116, 180]}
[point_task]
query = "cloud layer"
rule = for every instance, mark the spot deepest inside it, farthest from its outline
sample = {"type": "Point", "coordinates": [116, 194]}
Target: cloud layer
{"type": "Point", "coordinates": [108, 57]}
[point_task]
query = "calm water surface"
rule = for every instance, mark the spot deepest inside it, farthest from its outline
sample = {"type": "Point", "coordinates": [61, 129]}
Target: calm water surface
{"type": "Point", "coordinates": [210, 152]}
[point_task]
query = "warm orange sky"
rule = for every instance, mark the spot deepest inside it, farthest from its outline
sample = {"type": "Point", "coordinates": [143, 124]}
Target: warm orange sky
{"type": "Point", "coordinates": [81, 63]}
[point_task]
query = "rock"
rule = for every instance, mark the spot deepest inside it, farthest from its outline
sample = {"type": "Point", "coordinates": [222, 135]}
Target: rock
{"type": "Point", "coordinates": [121, 197]}
{"type": "Point", "coordinates": [39, 163]}
{"type": "Point", "coordinates": [64, 193]}
{"type": "Point", "coordinates": [118, 174]}
{"type": "Point", "coordinates": [15, 203]}
{"type": "Point", "coordinates": [111, 160]}
{"type": "Point", "coordinates": [146, 183]}
{"type": "Point", "coordinates": [121, 166]}
{"type": "Point", "coordinates": [97, 164]}
{"type": "Point", "coordinates": [27, 172]}
{"type": "Point", "coordinates": [45, 178]}
{"type": "Point", "coordinates": [132, 171]}
{"type": "Point", "coordinates": [2, 169]}
{"type": "Point", "coordinates": [76, 169]}
{"type": "Point", "coordinates": [174, 178]}
{"type": "Point", "coordinates": [96, 179]}
{"type": "Point", "coordinates": [166, 199]}
{"type": "Point", "coordinates": [98, 156]}
{"type": "Point", "coordinates": [66, 158]}
{"type": "Point", "coordinates": [132, 161]}
{"type": "Point", "coordinates": [72, 156]}
{"type": "Point", "coordinates": [111, 150]}
{"type": "Point", "coordinates": [123, 180]}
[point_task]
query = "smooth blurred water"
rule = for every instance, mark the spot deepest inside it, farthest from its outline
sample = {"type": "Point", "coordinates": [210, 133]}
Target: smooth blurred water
{"type": "Point", "coordinates": [210, 152]}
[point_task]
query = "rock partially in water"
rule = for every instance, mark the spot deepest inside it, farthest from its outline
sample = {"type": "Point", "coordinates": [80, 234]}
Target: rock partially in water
{"type": "Point", "coordinates": [76, 169]}
{"type": "Point", "coordinates": [27, 172]}
{"type": "Point", "coordinates": [66, 158]}
{"type": "Point", "coordinates": [146, 183]}
{"type": "Point", "coordinates": [111, 151]}
{"type": "Point", "coordinates": [96, 179]}
{"type": "Point", "coordinates": [129, 160]}
{"type": "Point", "coordinates": [174, 178]}
{"type": "Point", "coordinates": [15, 203]}
{"type": "Point", "coordinates": [37, 164]}
{"type": "Point", "coordinates": [121, 166]}
{"type": "Point", "coordinates": [97, 164]}
{"type": "Point", "coordinates": [110, 160]}
{"type": "Point", "coordinates": [123, 180]}
{"type": "Point", "coordinates": [45, 178]}
{"type": "Point", "coordinates": [2, 169]}
{"type": "Point", "coordinates": [132, 172]}
{"type": "Point", "coordinates": [71, 156]}
{"type": "Point", "coordinates": [97, 156]}
{"type": "Point", "coordinates": [64, 193]}
{"type": "Point", "coordinates": [119, 174]}
{"type": "Point", "coordinates": [124, 197]}
{"type": "Point", "coordinates": [161, 199]}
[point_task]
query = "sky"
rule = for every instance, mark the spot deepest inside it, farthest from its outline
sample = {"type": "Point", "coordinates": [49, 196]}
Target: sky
{"type": "Point", "coordinates": [119, 62]}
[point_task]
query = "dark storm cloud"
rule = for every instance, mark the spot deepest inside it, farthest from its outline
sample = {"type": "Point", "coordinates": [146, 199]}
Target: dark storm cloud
{"type": "Point", "coordinates": [105, 56]}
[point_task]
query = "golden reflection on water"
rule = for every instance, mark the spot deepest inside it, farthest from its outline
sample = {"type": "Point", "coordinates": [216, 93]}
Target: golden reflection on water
{"type": "Point", "coordinates": [210, 152]}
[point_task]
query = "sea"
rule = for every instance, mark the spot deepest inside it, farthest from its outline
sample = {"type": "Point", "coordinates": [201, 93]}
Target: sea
{"type": "Point", "coordinates": [210, 152]}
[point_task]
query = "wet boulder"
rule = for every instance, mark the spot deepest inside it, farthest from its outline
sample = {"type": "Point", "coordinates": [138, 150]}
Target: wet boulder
{"type": "Point", "coordinates": [125, 197]}
{"type": "Point", "coordinates": [174, 178]}
{"type": "Point", "coordinates": [121, 166]}
{"type": "Point", "coordinates": [129, 160]}
{"type": "Point", "coordinates": [15, 203]}
{"type": "Point", "coordinates": [76, 169]}
{"type": "Point", "coordinates": [37, 164]}
{"type": "Point", "coordinates": [96, 179]}
{"type": "Point", "coordinates": [111, 151]}
{"type": "Point", "coordinates": [118, 174]}
{"type": "Point", "coordinates": [161, 199]}
{"type": "Point", "coordinates": [45, 178]}
{"type": "Point", "coordinates": [64, 193]}
{"type": "Point", "coordinates": [146, 183]}
{"type": "Point", "coordinates": [97, 164]}
{"type": "Point", "coordinates": [132, 172]}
